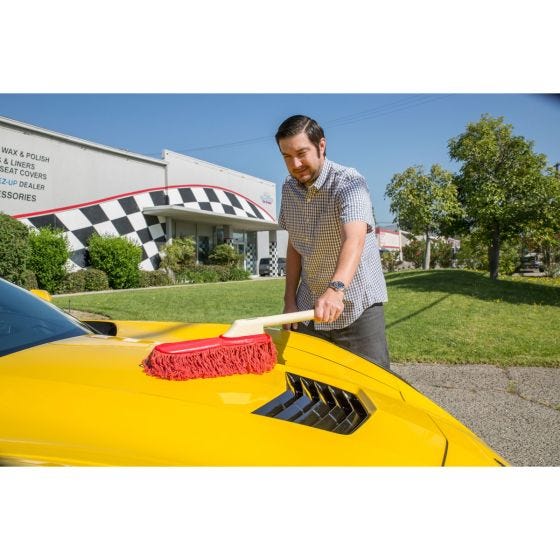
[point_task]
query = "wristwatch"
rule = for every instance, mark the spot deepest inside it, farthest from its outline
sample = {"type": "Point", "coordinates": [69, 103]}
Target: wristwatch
{"type": "Point", "coordinates": [337, 286]}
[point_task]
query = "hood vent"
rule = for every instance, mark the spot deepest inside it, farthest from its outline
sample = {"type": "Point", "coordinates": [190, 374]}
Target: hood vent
{"type": "Point", "coordinates": [317, 405]}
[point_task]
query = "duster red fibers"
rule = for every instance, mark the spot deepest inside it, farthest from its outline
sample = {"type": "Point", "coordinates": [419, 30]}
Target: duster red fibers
{"type": "Point", "coordinates": [244, 348]}
{"type": "Point", "coordinates": [212, 357]}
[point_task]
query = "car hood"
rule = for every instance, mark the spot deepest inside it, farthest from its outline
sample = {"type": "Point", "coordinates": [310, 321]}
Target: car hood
{"type": "Point", "coordinates": [88, 400]}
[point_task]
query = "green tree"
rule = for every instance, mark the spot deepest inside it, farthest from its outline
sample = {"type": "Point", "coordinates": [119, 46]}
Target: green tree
{"type": "Point", "coordinates": [424, 203]}
{"type": "Point", "coordinates": [14, 249]}
{"type": "Point", "coordinates": [225, 254]}
{"type": "Point", "coordinates": [474, 254]}
{"type": "Point", "coordinates": [414, 252]}
{"type": "Point", "coordinates": [50, 251]}
{"type": "Point", "coordinates": [179, 254]}
{"type": "Point", "coordinates": [543, 234]}
{"type": "Point", "coordinates": [504, 187]}
{"type": "Point", "coordinates": [441, 254]}
{"type": "Point", "coordinates": [389, 260]}
{"type": "Point", "coordinates": [118, 257]}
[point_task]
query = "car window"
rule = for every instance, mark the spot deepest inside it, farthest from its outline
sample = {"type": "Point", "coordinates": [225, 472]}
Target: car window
{"type": "Point", "coordinates": [26, 320]}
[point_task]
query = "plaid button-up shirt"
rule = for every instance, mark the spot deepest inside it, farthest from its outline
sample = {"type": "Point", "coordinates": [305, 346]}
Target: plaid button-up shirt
{"type": "Point", "coordinates": [313, 218]}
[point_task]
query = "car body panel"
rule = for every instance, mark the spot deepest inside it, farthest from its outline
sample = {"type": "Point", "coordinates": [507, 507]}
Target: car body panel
{"type": "Point", "coordinates": [86, 400]}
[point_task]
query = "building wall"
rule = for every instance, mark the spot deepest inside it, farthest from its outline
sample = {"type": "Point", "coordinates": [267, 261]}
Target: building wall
{"type": "Point", "coordinates": [41, 172]}
{"type": "Point", "coordinates": [181, 169]}
{"type": "Point", "coordinates": [388, 239]}
{"type": "Point", "coordinates": [48, 178]}
{"type": "Point", "coordinates": [263, 241]}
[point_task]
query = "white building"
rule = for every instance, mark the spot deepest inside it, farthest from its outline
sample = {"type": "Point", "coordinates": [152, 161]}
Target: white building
{"type": "Point", "coordinates": [391, 240]}
{"type": "Point", "coordinates": [47, 178]}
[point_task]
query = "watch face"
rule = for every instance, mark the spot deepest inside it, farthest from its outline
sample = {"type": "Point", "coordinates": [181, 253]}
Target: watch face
{"type": "Point", "coordinates": [337, 285]}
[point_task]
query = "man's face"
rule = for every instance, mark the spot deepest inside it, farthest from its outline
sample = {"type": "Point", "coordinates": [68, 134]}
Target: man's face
{"type": "Point", "coordinates": [301, 157]}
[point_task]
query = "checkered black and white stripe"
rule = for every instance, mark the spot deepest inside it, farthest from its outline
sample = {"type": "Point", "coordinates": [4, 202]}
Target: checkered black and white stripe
{"type": "Point", "coordinates": [273, 251]}
{"type": "Point", "coordinates": [250, 259]}
{"type": "Point", "coordinates": [122, 216]}
{"type": "Point", "coordinates": [215, 200]}
{"type": "Point", "coordinates": [313, 217]}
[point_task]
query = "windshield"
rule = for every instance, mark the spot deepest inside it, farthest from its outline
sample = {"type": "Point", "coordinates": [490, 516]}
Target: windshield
{"type": "Point", "coordinates": [26, 320]}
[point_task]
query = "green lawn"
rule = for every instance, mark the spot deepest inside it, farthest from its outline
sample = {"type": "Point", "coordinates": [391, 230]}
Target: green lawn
{"type": "Point", "coordinates": [443, 316]}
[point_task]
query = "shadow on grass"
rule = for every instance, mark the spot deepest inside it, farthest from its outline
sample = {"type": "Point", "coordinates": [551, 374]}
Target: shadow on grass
{"type": "Point", "coordinates": [409, 316]}
{"type": "Point", "coordinates": [476, 285]}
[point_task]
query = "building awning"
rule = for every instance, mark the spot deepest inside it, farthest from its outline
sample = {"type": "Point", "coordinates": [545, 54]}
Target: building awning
{"type": "Point", "coordinates": [206, 217]}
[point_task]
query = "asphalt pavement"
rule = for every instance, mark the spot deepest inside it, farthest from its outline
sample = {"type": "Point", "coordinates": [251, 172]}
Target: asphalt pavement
{"type": "Point", "coordinates": [515, 410]}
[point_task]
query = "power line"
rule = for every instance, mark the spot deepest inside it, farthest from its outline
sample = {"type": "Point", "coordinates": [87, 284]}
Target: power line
{"type": "Point", "coordinates": [229, 144]}
{"type": "Point", "coordinates": [392, 107]}
{"type": "Point", "coordinates": [381, 112]}
{"type": "Point", "coordinates": [353, 118]}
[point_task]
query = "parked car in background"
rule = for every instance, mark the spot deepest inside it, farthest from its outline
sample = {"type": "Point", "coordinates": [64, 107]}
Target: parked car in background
{"type": "Point", "coordinates": [265, 267]}
{"type": "Point", "coordinates": [531, 262]}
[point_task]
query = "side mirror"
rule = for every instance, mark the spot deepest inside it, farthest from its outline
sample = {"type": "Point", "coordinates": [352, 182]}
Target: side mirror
{"type": "Point", "coordinates": [43, 294]}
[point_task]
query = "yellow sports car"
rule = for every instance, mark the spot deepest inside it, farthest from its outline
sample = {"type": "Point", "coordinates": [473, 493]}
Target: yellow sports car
{"type": "Point", "coordinates": [73, 393]}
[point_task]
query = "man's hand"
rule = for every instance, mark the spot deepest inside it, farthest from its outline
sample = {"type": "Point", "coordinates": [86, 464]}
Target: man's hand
{"type": "Point", "coordinates": [329, 306]}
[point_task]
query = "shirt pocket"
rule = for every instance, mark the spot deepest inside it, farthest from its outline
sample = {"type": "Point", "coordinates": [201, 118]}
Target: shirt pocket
{"type": "Point", "coordinates": [328, 224]}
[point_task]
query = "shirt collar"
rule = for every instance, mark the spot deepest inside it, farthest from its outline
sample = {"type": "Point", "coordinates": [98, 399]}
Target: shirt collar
{"type": "Point", "coordinates": [320, 181]}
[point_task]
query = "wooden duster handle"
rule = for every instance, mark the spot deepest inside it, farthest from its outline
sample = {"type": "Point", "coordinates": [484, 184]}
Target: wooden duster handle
{"type": "Point", "coordinates": [244, 327]}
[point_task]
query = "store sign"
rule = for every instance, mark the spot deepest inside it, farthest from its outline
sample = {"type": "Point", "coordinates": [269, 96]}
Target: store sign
{"type": "Point", "coordinates": [24, 175]}
{"type": "Point", "coordinates": [267, 199]}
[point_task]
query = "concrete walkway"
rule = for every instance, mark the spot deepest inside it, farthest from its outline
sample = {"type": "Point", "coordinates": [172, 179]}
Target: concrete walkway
{"type": "Point", "coordinates": [515, 410]}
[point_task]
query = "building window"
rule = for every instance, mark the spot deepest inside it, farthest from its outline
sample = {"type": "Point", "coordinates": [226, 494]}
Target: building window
{"type": "Point", "coordinates": [203, 248]}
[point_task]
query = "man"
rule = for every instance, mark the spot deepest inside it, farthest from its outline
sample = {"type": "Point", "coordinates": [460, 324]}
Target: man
{"type": "Point", "coordinates": [332, 262]}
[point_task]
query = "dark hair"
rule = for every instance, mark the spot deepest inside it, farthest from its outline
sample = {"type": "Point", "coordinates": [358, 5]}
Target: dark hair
{"type": "Point", "coordinates": [300, 123]}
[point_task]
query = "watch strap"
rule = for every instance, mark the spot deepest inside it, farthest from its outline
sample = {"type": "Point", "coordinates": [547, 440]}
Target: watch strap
{"type": "Point", "coordinates": [337, 286]}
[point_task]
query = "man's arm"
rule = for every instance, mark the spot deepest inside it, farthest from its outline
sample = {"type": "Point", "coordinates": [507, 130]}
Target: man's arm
{"type": "Point", "coordinates": [293, 273]}
{"type": "Point", "coordinates": [330, 305]}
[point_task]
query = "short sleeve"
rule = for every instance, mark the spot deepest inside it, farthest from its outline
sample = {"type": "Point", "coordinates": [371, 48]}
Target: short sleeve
{"type": "Point", "coordinates": [355, 202]}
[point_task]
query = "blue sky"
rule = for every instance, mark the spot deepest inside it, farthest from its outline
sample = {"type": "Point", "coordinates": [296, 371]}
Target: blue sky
{"type": "Point", "coordinates": [378, 134]}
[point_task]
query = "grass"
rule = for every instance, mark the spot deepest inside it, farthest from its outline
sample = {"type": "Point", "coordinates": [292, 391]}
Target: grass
{"type": "Point", "coordinates": [458, 316]}
{"type": "Point", "coordinates": [196, 303]}
{"type": "Point", "coordinates": [441, 316]}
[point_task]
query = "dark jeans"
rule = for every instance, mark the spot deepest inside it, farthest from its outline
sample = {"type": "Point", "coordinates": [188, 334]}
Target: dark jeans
{"type": "Point", "coordinates": [365, 336]}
